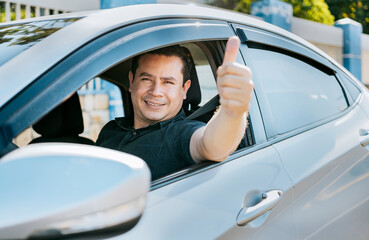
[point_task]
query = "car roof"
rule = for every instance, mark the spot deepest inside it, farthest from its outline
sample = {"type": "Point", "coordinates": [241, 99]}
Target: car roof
{"type": "Point", "coordinates": [35, 60]}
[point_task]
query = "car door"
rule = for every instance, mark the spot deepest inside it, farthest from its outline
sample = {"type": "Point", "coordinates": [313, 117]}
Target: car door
{"type": "Point", "coordinates": [248, 195]}
{"type": "Point", "coordinates": [312, 112]}
{"type": "Point", "coordinates": [211, 201]}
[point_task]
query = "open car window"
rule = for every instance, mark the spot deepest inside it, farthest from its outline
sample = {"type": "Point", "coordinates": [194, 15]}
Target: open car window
{"type": "Point", "coordinates": [107, 97]}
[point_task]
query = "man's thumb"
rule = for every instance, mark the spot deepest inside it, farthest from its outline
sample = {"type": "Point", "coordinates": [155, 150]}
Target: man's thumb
{"type": "Point", "coordinates": [232, 47]}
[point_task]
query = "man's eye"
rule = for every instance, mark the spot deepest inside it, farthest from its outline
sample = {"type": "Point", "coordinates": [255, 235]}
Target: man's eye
{"type": "Point", "coordinates": [145, 79]}
{"type": "Point", "coordinates": [169, 82]}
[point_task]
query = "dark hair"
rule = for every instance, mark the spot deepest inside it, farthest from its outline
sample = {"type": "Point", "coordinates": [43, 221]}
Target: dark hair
{"type": "Point", "coordinates": [177, 51]}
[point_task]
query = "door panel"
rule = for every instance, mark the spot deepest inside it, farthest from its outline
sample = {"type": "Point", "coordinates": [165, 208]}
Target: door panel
{"type": "Point", "coordinates": [331, 171]}
{"type": "Point", "coordinates": [206, 205]}
{"type": "Point", "coordinates": [319, 141]}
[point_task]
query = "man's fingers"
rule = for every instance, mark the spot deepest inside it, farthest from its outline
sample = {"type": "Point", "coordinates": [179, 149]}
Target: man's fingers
{"type": "Point", "coordinates": [232, 47]}
{"type": "Point", "coordinates": [234, 69]}
{"type": "Point", "coordinates": [237, 82]}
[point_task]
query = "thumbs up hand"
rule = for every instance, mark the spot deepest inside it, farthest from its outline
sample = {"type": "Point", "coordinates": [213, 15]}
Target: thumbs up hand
{"type": "Point", "coordinates": [234, 82]}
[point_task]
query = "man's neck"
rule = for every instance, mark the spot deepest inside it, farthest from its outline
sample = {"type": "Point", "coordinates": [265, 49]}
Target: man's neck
{"type": "Point", "coordinates": [137, 124]}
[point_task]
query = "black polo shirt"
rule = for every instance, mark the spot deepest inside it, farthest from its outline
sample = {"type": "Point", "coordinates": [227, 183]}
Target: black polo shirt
{"type": "Point", "coordinates": [164, 146]}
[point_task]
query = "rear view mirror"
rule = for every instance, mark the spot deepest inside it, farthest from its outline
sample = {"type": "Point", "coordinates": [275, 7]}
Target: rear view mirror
{"type": "Point", "coordinates": [53, 190]}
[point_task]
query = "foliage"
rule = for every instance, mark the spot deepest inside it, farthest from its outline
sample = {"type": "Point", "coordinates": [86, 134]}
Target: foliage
{"type": "Point", "coordinates": [13, 15]}
{"type": "Point", "coordinates": [357, 10]}
{"type": "Point", "coordinates": [314, 10]}
{"type": "Point", "coordinates": [2, 13]}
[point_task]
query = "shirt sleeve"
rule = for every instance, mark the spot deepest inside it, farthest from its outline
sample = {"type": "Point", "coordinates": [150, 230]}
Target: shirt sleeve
{"type": "Point", "coordinates": [180, 137]}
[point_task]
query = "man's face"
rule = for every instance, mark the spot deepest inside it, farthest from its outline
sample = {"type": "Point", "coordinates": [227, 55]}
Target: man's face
{"type": "Point", "coordinates": [156, 90]}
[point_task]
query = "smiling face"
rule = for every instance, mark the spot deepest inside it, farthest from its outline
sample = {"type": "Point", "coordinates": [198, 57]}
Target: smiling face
{"type": "Point", "coordinates": [157, 89]}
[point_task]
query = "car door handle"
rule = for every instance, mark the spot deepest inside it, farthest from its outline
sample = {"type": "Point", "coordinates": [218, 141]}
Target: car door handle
{"type": "Point", "coordinates": [269, 200]}
{"type": "Point", "coordinates": [364, 137]}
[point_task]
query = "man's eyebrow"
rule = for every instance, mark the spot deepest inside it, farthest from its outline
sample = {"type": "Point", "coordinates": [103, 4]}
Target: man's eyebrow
{"type": "Point", "coordinates": [169, 78]}
{"type": "Point", "coordinates": [145, 74]}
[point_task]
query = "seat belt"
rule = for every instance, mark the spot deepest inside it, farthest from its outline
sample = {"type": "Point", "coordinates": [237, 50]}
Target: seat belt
{"type": "Point", "coordinates": [209, 106]}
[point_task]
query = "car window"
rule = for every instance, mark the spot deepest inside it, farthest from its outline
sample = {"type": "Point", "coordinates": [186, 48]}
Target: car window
{"type": "Point", "coordinates": [107, 96]}
{"type": "Point", "coordinates": [298, 93]}
{"type": "Point", "coordinates": [352, 89]}
{"type": "Point", "coordinates": [16, 38]}
{"type": "Point", "coordinates": [204, 72]}
{"type": "Point", "coordinates": [101, 100]}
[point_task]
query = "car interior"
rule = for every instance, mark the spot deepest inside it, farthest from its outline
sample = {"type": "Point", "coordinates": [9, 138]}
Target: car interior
{"type": "Point", "coordinates": [63, 124]}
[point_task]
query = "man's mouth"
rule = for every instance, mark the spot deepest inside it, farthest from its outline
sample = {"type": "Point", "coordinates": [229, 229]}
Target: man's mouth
{"type": "Point", "coordinates": [154, 104]}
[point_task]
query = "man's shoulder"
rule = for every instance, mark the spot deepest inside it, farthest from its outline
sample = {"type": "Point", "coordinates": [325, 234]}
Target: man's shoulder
{"type": "Point", "coordinates": [116, 124]}
{"type": "Point", "coordinates": [111, 124]}
{"type": "Point", "coordinates": [185, 126]}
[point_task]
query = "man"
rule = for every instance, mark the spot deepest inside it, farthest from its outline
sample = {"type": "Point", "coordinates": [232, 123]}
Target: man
{"type": "Point", "coordinates": [158, 131]}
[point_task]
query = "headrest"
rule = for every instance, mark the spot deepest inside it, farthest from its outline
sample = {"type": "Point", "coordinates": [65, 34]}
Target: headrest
{"type": "Point", "coordinates": [193, 98]}
{"type": "Point", "coordinates": [64, 120]}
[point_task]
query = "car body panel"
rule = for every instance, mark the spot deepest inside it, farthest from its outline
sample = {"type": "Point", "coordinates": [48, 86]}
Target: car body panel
{"type": "Point", "coordinates": [205, 206]}
{"type": "Point", "coordinates": [331, 178]}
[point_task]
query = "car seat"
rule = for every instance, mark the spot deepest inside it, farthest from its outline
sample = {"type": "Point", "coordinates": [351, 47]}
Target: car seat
{"type": "Point", "coordinates": [193, 98]}
{"type": "Point", "coordinates": [63, 124]}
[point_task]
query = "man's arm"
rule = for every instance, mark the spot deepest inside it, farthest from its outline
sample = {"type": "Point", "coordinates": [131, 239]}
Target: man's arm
{"type": "Point", "coordinates": [222, 134]}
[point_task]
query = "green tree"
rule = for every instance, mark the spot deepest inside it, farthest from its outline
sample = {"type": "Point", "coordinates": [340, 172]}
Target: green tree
{"type": "Point", "coordinates": [354, 9]}
{"type": "Point", "coordinates": [12, 12]}
{"type": "Point", "coordinates": [2, 11]}
{"type": "Point", "coordinates": [314, 10]}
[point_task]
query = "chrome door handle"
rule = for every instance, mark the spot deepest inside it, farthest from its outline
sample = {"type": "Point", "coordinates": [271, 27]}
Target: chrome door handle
{"type": "Point", "coordinates": [269, 200]}
{"type": "Point", "coordinates": [364, 137]}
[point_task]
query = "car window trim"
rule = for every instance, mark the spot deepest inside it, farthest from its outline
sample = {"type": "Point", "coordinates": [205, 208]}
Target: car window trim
{"type": "Point", "coordinates": [205, 166]}
{"type": "Point", "coordinates": [342, 77]}
{"type": "Point", "coordinates": [251, 35]}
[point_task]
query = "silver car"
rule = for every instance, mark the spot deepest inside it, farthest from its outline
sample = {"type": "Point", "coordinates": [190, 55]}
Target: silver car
{"type": "Point", "coordinates": [301, 171]}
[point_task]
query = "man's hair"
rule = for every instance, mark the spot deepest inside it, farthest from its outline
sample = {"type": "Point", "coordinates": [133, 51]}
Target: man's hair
{"type": "Point", "coordinates": [170, 51]}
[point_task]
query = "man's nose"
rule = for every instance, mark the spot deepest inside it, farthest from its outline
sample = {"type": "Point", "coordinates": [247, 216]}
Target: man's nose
{"type": "Point", "coordinates": [156, 88]}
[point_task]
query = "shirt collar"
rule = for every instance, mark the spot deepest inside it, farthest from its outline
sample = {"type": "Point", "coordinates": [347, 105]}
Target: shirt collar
{"type": "Point", "coordinates": [126, 123]}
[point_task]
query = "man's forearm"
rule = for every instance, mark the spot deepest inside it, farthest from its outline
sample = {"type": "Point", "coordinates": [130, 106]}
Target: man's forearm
{"type": "Point", "coordinates": [220, 137]}
{"type": "Point", "coordinates": [223, 134]}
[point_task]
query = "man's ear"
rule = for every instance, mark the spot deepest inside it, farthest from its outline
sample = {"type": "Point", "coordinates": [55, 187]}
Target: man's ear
{"type": "Point", "coordinates": [186, 86]}
{"type": "Point", "coordinates": [130, 77]}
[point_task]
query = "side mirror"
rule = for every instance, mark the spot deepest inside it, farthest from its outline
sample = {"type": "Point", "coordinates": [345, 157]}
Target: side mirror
{"type": "Point", "coordinates": [56, 190]}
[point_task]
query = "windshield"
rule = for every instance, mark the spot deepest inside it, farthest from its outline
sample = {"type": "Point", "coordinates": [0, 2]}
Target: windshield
{"type": "Point", "coordinates": [18, 37]}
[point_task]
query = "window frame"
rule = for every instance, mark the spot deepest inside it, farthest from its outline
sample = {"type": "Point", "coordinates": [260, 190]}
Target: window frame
{"type": "Point", "coordinates": [251, 37]}
{"type": "Point", "coordinates": [110, 49]}
{"type": "Point", "coordinates": [92, 59]}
